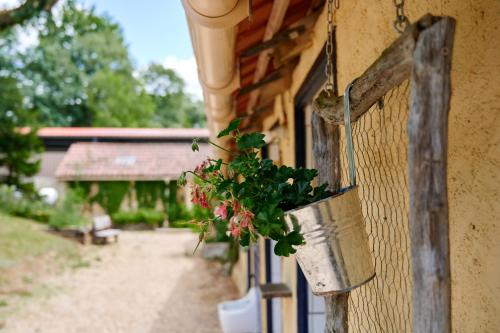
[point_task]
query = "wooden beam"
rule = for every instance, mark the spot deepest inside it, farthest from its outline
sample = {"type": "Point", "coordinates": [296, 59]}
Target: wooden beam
{"type": "Point", "coordinates": [274, 83]}
{"type": "Point", "coordinates": [427, 160]}
{"type": "Point", "coordinates": [389, 70]}
{"type": "Point", "coordinates": [289, 50]}
{"type": "Point", "coordinates": [282, 37]}
{"type": "Point", "coordinates": [274, 23]}
{"type": "Point", "coordinates": [276, 75]}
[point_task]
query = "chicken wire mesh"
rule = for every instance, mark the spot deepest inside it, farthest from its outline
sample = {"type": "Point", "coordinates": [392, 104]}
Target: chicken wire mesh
{"type": "Point", "coordinates": [380, 143]}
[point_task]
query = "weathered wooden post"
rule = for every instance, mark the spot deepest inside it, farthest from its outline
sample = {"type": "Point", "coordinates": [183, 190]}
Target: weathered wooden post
{"type": "Point", "coordinates": [427, 161]}
{"type": "Point", "coordinates": [326, 149]}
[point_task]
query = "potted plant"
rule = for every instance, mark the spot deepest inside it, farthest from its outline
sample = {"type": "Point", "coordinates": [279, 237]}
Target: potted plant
{"type": "Point", "coordinates": [256, 198]}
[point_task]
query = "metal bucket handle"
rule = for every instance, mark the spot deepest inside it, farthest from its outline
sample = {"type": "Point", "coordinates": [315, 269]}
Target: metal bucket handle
{"type": "Point", "coordinates": [348, 134]}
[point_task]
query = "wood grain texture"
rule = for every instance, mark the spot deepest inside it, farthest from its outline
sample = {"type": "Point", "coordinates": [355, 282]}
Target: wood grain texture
{"type": "Point", "coordinates": [326, 151]}
{"type": "Point", "coordinates": [389, 70]}
{"type": "Point", "coordinates": [427, 162]}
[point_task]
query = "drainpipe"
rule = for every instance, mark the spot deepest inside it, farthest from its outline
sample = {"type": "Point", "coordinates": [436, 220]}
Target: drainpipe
{"type": "Point", "coordinates": [212, 26]}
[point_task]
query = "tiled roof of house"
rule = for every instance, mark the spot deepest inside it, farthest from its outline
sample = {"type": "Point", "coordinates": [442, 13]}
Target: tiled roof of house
{"type": "Point", "coordinates": [99, 161]}
{"type": "Point", "coordinates": [112, 132]}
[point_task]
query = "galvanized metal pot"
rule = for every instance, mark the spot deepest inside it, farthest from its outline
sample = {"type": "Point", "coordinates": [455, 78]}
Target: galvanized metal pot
{"type": "Point", "coordinates": [336, 257]}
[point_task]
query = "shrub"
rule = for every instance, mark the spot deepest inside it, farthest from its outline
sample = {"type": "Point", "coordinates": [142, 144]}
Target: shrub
{"type": "Point", "coordinates": [179, 212]}
{"type": "Point", "coordinates": [148, 216]}
{"type": "Point", "coordinates": [68, 212]}
{"type": "Point", "coordinates": [111, 195]}
{"type": "Point", "coordinates": [185, 224]}
{"type": "Point", "coordinates": [15, 203]}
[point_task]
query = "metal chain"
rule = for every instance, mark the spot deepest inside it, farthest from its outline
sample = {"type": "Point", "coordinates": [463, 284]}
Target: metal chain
{"type": "Point", "coordinates": [329, 46]}
{"type": "Point", "coordinates": [402, 21]}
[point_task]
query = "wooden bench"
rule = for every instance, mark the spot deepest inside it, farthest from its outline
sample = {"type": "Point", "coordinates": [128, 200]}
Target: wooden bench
{"type": "Point", "coordinates": [101, 230]}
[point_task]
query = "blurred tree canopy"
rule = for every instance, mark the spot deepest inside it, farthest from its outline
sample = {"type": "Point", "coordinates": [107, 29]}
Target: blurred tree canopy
{"type": "Point", "coordinates": [80, 73]}
{"type": "Point", "coordinates": [23, 12]}
{"type": "Point", "coordinates": [17, 149]}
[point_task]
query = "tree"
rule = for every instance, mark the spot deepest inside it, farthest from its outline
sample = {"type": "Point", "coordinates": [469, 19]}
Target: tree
{"type": "Point", "coordinates": [116, 100]}
{"type": "Point", "coordinates": [57, 73]}
{"type": "Point", "coordinates": [174, 107]}
{"type": "Point", "coordinates": [27, 10]}
{"type": "Point", "coordinates": [80, 73]}
{"type": "Point", "coordinates": [17, 148]}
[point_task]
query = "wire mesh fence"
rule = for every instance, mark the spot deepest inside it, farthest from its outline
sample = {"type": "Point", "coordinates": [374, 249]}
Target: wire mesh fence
{"type": "Point", "coordinates": [380, 143]}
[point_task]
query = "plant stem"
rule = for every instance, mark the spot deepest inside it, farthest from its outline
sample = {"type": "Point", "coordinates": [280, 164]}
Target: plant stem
{"type": "Point", "coordinates": [204, 180]}
{"type": "Point", "coordinates": [216, 145]}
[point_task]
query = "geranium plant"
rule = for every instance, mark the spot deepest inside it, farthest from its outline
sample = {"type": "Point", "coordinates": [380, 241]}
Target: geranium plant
{"type": "Point", "coordinates": [251, 194]}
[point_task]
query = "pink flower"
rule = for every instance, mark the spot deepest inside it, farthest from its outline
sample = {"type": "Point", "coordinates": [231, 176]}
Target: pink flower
{"type": "Point", "coordinates": [198, 197]}
{"type": "Point", "coordinates": [221, 211]}
{"type": "Point", "coordinates": [199, 169]}
{"type": "Point", "coordinates": [236, 232]}
{"type": "Point", "coordinates": [236, 207]}
{"type": "Point", "coordinates": [246, 218]}
{"type": "Point", "coordinates": [195, 194]}
{"type": "Point", "coordinates": [233, 227]}
{"type": "Point", "coordinates": [204, 201]}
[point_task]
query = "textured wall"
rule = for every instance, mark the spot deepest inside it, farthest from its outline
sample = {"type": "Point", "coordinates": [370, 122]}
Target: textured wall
{"type": "Point", "coordinates": [364, 31]}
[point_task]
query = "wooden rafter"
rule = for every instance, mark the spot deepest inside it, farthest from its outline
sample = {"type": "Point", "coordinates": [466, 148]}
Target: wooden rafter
{"type": "Point", "coordinates": [274, 23]}
{"type": "Point", "coordinates": [282, 37]}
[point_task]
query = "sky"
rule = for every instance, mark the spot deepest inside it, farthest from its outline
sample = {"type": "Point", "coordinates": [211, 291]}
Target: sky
{"type": "Point", "coordinates": [155, 31]}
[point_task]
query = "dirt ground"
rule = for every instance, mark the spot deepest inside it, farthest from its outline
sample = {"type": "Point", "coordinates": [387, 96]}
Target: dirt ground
{"type": "Point", "coordinates": [143, 284]}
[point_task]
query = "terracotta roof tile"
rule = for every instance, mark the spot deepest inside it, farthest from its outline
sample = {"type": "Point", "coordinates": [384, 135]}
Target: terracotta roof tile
{"type": "Point", "coordinates": [88, 161]}
{"type": "Point", "coordinates": [112, 132]}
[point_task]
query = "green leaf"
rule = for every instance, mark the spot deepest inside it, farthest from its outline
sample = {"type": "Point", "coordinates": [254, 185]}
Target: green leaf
{"type": "Point", "coordinates": [245, 239]}
{"type": "Point", "coordinates": [194, 145]}
{"type": "Point", "coordinates": [182, 179]}
{"type": "Point", "coordinates": [283, 248]}
{"type": "Point", "coordinates": [214, 167]}
{"type": "Point", "coordinates": [295, 238]}
{"type": "Point", "coordinates": [250, 140]}
{"type": "Point", "coordinates": [233, 125]}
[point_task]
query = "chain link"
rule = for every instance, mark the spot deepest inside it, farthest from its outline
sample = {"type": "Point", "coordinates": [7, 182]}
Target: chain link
{"type": "Point", "coordinates": [402, 21]}
{"type": "Point", "coordinates": [329, 46]}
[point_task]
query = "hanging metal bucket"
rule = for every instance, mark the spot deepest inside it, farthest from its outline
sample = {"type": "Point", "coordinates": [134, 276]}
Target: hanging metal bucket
{"type": "Point", "coordinates": [335, 257]}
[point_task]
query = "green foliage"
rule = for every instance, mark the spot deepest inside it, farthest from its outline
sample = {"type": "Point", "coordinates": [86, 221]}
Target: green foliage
{"type": "Point", "coordinates": [233, 126]}
{"type": "Point", "coordinates": [111, 195]}
{"type": "Point", "coordinates": [18, 149]}
{"type": "Point", "coordinates": [29, 9]}
{"type": "Point", "coordinates": [190, 224]}
{"type": "Point", "coordinates": [255, 194]}
{"type": "Point", "coordinates": [250, 141]}
{"type": "Point", "coordinates": [149, 217]}
{"type": "Point", "coordinates": [148, 193]}
{"type": "Point", "coordinates": [23, 205]}
{"type": "Point", "coordinates": [69, 212]}
{"type": "Point", "coordinates": [179, 211]}
{"type": "Point", "coordinates": [110, 93]}
{"type": "Point", "coordinates": [71, 51]}
{"type": "Point", "coordinates": [80, 74]}
{"type": "Point", "coordinates": [174, 107]}
{"type": "Point", "coordinates": [83, 188]}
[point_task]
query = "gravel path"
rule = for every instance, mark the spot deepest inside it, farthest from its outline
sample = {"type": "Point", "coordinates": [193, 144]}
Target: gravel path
{"type": "Point", "coordinates": [143, 284]}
